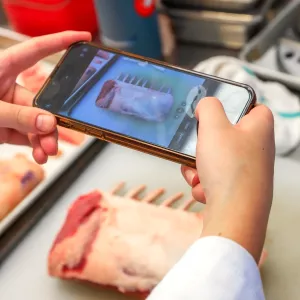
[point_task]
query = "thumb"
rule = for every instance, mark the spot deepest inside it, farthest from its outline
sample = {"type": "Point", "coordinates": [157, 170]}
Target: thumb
{"type": "Point", "coordinates": [26, 119]}
{"type": "Point", "coordinates": [211, 115]}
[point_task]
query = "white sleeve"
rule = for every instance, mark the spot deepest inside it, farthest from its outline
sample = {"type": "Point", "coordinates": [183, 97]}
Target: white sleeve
{"type": "Point", "coordinates": [213, 268]}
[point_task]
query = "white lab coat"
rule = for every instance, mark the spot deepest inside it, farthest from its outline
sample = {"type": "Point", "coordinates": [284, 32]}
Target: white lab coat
{"type": "Point", "coordinates": [214, 268]}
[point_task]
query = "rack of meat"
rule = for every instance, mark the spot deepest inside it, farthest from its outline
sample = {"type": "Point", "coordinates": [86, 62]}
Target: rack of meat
{"type": "Point", "coordinates": [130, 95]}
{"type": "Point", "coordinates": [124, 242]}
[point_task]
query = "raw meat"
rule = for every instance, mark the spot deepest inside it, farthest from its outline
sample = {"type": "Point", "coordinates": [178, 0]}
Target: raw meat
{"type": "Point", "coordinates": [18, 177]}
{"type": "Point", "coordinates": [33, 79]}
{"type": "Point", "coordinates": [123, 242]}
{"type": "Point", "coordinates": [71, 136]}
{"type": "Point", "coordinates": [135, 100]}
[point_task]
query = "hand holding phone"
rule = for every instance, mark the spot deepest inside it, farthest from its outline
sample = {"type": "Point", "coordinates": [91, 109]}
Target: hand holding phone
{"type": "Point", "coordinates": [135, 101]}
{"type": "Point", "coordinates": [235, 166]}
{"type": "Point", "coordinates": [20, 123]}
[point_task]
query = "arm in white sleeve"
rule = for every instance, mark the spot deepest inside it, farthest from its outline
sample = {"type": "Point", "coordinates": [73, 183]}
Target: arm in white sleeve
{"type": "Point", "coordinates": [213, 268]}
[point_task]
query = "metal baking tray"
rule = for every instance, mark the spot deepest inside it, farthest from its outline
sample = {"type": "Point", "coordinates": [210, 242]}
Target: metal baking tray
{"type": "Point", "coordinates": [55, 166]}
{"type": "Point", "coordinates": [261, 51]}
{"type": "Point", "coordinates": [230, 5]}
{"type": "Point", "coordinates": [230, 30]}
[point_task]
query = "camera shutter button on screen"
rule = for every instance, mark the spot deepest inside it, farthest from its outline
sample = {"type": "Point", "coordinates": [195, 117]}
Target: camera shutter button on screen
{"type": "Point", "coordinates": [194, 96]}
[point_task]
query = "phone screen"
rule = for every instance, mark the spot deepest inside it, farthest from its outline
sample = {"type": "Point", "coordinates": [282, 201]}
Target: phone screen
{"type": "Point", "coordinates": [146, 101]}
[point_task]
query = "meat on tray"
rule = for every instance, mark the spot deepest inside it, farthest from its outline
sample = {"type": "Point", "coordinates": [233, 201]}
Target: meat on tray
{"type": "Point", "coordinates": [33, 80]}
{"type": "Point", "coordinates": [124, 243]}
{"type": "Point", "coordinates": [18, 177]}
{"type": "Point", "coordinates": [131, 96]}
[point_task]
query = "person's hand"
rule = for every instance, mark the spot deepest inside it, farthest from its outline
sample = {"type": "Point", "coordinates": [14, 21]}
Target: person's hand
{"type": "Point", "coordinates": [234, 177]}
{"type": "Point", "coordinates": [20, 123]}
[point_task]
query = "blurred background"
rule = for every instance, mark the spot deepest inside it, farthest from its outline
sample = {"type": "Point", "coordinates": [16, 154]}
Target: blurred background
{"type": "Point", "coordinates": [200, 28]}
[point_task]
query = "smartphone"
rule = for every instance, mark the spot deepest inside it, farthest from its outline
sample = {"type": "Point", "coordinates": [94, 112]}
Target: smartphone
{"type": "Point", "coordinates": [135, 101]}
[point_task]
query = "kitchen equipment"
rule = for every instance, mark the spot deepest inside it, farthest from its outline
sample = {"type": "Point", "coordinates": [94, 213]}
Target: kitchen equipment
{"type": "Point", "coordinates": [260, 52]}
{"type": "Point", "coordinates": [288, 52]}
{"type": "Point", "coordinates": [227, 29]}
{"type": "Point", "coordinates": [39, 17]}
{"type": "Point", "coordinates": [228, 5]}
{"type": "Point", "coordinates": [130, 25]}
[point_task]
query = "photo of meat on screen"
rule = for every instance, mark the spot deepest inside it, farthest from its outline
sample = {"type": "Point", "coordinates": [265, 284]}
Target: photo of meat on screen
{"type": "Point", "coordinates": [129, 95]}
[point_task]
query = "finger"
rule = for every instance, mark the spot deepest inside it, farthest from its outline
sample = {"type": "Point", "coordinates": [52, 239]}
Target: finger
{"type": "Point", "coordinates": [259, 119]}
{"type": "Point", "coordinates": [37, 152]}
{"type": "Point", "coordinates": [33, 78]}
{"type": "Point", "coordinates": [198, 194]}
{"type": "Point", "coordinates": [17, 138]}
{"type": "Point", "coordinates": [26, 119]}
{"type": "Point", "coordinates": [22, 96]}
{"type": "Point", "coordinates": [211, 115]}
{"type": "Point", "coordinates": [26, 54]}
{"type": "Point", "coordinates": [49, 143]}
{"type": "Point", "coordinates": [189, 174]}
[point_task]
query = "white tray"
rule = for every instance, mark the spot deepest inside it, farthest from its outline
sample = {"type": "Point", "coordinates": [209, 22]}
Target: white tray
{"type": "Point", "coordinates": [53, 169]}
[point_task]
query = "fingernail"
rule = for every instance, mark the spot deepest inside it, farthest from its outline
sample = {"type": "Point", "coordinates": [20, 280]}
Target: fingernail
{"type": "Point", "coordinates": [189, 175]}
{"type": "Point", "coordinates": [195, 180]}
{"type": "Point", "coordinates": [44, 123]}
